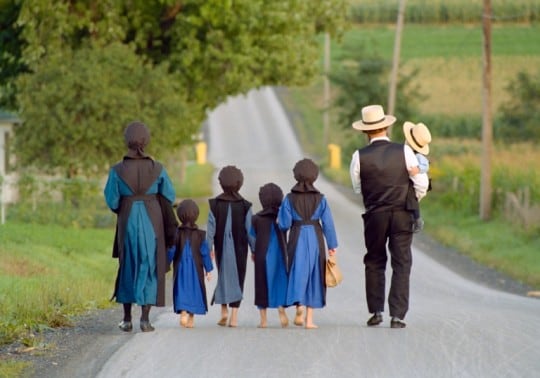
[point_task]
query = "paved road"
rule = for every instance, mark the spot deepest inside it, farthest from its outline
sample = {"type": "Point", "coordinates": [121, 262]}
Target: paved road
{"type": "Point", "coordinates": [456, 328]}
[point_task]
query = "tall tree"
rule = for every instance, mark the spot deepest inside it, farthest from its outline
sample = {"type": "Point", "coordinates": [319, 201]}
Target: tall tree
{"type": "Point", "coordinates": [77, 104]}
{"type": "Point", "coordinates": [11, 45]}
{"type": "Point", "coordinates": [520, 115]}
{"type": "Point", "coordinates": [209, 49]}
{"type": "Point", "coordinates": [362, 80]}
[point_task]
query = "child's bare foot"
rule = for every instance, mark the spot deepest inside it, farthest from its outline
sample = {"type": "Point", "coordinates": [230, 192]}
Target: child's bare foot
{"type": "Point", "coordinates": [263, 322]}
{"type": "Point", "coordinates": [224, 315]}
{"type": "Point", "coordinates": [283, 317]}
{"type": "Point", "coordinates": [233, 322]}
{"type": "Point", "coordinates": [299, 318]}
{"type": "Point", "coordinates": [191, 321]}
{"type": "Point", "coordinates": [183, 319]}
{"type": "Point", "coordinates": [309, 318]}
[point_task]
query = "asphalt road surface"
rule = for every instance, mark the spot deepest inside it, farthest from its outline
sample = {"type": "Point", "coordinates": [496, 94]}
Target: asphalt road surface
{"type": "Point", "coordinates": [455, 327]}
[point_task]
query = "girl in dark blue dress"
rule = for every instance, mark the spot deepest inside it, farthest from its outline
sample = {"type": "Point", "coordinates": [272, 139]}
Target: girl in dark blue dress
{"type": "Point", "coordinates": [191, 263]}
{"type": "Point", "coordinates": [270, 255]}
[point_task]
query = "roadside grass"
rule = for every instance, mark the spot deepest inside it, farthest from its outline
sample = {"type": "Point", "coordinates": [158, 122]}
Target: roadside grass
{"type": "Point", "coordinates": [50, 273]}
{"type": "Point", "coordinates": [10, 369]}
{"type": "Point", "coordinates": [499, 244]}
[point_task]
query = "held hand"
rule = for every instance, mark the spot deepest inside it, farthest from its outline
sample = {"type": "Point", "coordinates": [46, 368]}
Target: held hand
{"type": "Point", "coordinates": [413, 171]}
{"type": "Point", "coordinates": [332, 252]}
{"type": "Point", "coordinates": [208, 276]}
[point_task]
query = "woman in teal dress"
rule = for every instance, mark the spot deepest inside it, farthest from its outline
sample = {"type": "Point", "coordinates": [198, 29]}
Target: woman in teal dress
{"type": "Point", "coordinates": [140, 192]}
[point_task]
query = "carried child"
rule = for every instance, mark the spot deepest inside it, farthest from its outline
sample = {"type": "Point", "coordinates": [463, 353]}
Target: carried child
{"type": "Point", "coordinates": [418, 137]}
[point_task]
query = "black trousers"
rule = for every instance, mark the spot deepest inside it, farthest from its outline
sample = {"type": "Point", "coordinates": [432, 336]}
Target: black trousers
{"type": "Point", "coordinates": [392, 227]}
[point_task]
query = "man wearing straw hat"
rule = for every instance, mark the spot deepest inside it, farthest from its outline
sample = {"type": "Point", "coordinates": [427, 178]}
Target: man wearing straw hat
{"type": "Point", "coordinates": [380, 172]}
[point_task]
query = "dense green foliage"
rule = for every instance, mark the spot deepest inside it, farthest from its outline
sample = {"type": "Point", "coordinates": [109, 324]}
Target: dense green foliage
{"type": "Point", "coordinates": [520, 117]}
{"type": "Point", "coordinates": [362, 81]}
{"type": "Point", "coordinates": [185, 58]}
{"type": "Point", "coordinates": [76, 106]}
{"type": "Point", "coordinates": [10, 52]}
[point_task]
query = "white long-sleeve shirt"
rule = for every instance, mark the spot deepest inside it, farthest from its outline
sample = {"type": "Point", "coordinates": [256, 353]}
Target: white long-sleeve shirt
{"type": "Point", "coordinates": [420, 180]}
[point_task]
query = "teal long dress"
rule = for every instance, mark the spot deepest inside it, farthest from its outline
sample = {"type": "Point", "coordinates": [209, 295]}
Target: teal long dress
{"type": "Point", "coordinates": [137, 280]}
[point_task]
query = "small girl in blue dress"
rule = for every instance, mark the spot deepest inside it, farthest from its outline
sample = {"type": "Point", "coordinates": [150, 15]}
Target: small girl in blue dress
{"type": "Point", "coordinates": [270, 255]}
{"type": "Point", "coordinates": [191, 260]}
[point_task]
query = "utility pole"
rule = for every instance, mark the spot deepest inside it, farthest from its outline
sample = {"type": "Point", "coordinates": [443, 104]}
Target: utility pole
{"type": "Point", "coordinates": [395, 60]}
{"type": "Point", "coordinates": [326, 115]}
{"type": "Point", "coordinates": [487, 128]}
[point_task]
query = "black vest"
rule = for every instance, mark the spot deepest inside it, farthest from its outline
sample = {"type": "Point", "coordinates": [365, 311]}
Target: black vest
{"type": "Point", "coordinates": [239, 210]}
{"type": "Point", "coordinates": [384, 177]}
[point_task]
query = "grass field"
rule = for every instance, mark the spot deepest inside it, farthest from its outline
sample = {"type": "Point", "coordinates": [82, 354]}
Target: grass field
{"type": "Point", "coordinates": [450, 61]}
{"type": "Point", "coordinates": [444, 11]}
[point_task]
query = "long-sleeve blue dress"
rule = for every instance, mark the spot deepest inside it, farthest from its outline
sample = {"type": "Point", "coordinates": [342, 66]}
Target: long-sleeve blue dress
{"type": "Point", "coordinates": [189, 290]}
{"type": "Point", "coordinates": [306, 284]}
{"type": "Point", "coordinates": [141, 274]}
{"type": "Point", "coordinates": [270, 262]}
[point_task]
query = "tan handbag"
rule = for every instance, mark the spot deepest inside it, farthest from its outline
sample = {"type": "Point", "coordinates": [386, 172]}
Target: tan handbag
{"type": "Point", "coordinates": [333, 273]}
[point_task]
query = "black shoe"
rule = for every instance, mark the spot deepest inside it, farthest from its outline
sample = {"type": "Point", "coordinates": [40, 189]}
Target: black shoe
{"type": "Point", "coordinates": [125, 326]}
{"type": "Point", "coordinates": [397, 323]}
{"type": "Point", "coordinates": [146, 326]}
{"type": "Point", "coordinates": [418, 225]}
{"type": "Point", "coordinates": [376, 319]}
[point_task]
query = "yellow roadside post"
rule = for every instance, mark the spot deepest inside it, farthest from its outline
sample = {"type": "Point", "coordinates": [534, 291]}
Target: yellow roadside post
{"type": "Point", "coordinates": [200, 152]}
{"type": "Point", "coordinates": [334, 152]}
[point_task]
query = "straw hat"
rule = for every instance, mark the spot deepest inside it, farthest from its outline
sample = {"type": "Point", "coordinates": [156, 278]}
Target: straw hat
{"type": "Point", "coordinates": [373, 118]}
{"type": "Point", "coordinates": [418, 136]}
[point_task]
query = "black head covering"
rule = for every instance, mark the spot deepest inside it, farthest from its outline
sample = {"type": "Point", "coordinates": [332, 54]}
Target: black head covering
{"type": "Point", "coordinates": [188, 212]}
{"type": "Point", "coordinates": [271, 197]}
{"type": "Point", "coordinates": [137, 137]}
{"type": "Point", "coordinates": [231, 180]}
{"type": "Point", "coordinates": [305, 173]}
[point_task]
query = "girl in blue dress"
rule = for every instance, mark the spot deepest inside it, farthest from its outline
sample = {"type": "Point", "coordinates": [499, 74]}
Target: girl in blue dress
{"type": "Point", "coordinates": [306, 215]}
{"type": "Point", "coordinates": [191, 263]}
{"type": "Point", "coordinates": [269, 255]}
